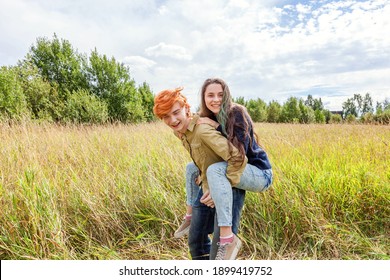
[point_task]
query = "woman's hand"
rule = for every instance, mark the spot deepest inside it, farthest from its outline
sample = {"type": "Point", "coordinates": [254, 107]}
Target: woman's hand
{"type": "Point", "coordinates": [208, 121]}
{"type": "Point", "coordinates": [207, 200]}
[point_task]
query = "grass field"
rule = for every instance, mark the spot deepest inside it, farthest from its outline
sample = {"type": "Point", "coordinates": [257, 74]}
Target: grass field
{"type": "Point", "coordinates": [117, 192]}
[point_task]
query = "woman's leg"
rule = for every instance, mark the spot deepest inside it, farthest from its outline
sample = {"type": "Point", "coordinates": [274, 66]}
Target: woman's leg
{"type": "Point", "coordinates": [238, 204]}
{"type": "Point", "coordinates": [252, 179]}
{"type": "Point", "coordinates": [221, 192]}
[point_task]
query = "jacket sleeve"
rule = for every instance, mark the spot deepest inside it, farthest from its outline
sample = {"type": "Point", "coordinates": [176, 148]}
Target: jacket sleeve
{"type": "Point", "coordinates": [220, 145]}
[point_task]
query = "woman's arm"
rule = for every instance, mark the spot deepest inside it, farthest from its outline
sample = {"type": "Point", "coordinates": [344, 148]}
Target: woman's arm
{"type": "Point", "coordinates": [215, 124]}
{"type": "Point", "coordinates": [206, 120]}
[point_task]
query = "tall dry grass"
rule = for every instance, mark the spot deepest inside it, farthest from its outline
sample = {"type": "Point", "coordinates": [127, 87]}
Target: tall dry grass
{"type": "Point", "coordinates": [117, 192]}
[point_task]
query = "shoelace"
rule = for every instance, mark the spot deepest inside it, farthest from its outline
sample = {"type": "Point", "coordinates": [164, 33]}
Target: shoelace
{"type": "Point", "coordinates": [221, 251]}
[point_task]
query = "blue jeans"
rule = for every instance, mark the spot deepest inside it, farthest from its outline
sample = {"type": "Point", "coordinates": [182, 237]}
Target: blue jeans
{"type": "Point", "coordinates": [252, 179]}
{"type": "Point", "coordinates": [202, 224]}
{"type": "Point", "coordinates": [238, 204]}
{"type": "Point", "coordinates": [192, 189]}
{"type": "Point", "coordinates": [203, 217]}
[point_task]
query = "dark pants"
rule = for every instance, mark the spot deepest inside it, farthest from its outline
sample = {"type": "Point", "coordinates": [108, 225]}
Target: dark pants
{"type": "Point", "coordinates": [202, 224]}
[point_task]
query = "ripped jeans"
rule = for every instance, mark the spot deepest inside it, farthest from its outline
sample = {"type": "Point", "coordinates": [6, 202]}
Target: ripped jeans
{"type": "Point", "coordinates": [253, 179]}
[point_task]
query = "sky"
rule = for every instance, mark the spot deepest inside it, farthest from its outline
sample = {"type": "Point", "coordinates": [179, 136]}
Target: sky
{"type": "Point", "coordinates": [270, 49]}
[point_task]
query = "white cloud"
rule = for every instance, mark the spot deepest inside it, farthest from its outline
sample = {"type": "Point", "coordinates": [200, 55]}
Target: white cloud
{"type": "Point", "coordinates": [139, 62]}
{"type": "Point", "coordinates": [166, 50]}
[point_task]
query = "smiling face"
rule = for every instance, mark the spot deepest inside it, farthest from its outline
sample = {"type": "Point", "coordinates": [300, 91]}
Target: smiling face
{"type": "Point", "coordinates": [213, 97]}
{"type": "Point", "coordinates": [177, 118]}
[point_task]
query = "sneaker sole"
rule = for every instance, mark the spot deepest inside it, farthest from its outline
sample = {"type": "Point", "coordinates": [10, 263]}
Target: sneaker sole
{"type": "Point", "coordinates": [182, 233]}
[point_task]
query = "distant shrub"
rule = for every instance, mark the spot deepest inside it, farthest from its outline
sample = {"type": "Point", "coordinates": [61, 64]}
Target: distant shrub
{"type": "Point", "coordinates": [367, 118]}
{"type": "Point", "coordinates": [383, 118]}
{"type": "Point", "coordinates": [83, 107]}
{"type": "Point", "coordinates": [335, 118]}
{"type": "Point", "coordinates": [350, 119]}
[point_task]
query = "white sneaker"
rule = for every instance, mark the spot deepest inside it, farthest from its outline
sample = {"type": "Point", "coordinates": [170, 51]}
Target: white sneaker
{"type": "Point", "coordinates": [229, 251]}
{"type": "Point", "coordinates": [183, 229]}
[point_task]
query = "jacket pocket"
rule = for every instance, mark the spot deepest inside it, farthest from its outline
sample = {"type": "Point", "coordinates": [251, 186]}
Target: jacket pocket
{"type": "Point", "coordinates": [198, 154]}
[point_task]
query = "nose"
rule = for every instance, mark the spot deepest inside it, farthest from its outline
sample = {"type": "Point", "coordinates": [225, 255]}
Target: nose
{"type": "Point", "coordinates": [216, 98]}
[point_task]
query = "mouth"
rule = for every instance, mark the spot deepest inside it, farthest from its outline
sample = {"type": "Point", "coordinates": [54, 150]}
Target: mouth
{"type": "Point", "coordinates": [175, 125]}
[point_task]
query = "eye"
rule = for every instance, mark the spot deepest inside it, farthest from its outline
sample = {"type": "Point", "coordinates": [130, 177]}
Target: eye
{"type": "Point", "coordinates": [176, 112]}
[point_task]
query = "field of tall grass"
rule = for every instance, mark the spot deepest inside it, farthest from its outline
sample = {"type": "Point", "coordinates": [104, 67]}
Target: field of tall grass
{"type": "Point", "coordinates": [117, 192]}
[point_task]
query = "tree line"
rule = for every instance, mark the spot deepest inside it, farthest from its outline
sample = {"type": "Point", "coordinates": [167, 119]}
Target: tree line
{"type": "Point", "coordinates": [56, 83]}
{"type": "Point", "coordinates": [358, 109]}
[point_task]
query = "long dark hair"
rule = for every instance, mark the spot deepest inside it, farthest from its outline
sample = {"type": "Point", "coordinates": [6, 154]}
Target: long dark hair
{"type": "Point", "coordinates": [226, 115]}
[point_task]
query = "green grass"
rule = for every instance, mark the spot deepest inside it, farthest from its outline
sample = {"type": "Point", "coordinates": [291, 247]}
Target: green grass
{"type": "Point", "coordinates": [117, 192]}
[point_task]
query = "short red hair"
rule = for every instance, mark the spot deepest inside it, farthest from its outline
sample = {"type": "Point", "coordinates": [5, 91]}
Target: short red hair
{"type": "Point", "coordinates": [164, 100]}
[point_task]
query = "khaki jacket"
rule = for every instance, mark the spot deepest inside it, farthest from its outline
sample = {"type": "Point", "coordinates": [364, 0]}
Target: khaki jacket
{"type": "Point", "coordinates": [206, 146]}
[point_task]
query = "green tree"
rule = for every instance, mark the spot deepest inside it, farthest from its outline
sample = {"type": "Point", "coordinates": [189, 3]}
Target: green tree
{"type": "Point", "coordinates": [358, 99]}
{"type": "Point", "coordinates": [290, 111]}
{"type": "Point", "coordinates": [367, 106]}
{"type": "Point", "coordinates": [240, 100]}
{"type": "Point", "coordinates": [382, 106]}
{"type": "Point", "coordinates": [257, 109]}
{"type": "Point", "coordinates": [42, 99]}
{"type": "Point", "coordinates": [315, 104]}
{"type": "Point", "coordinates": [307, 113]}
{"type": "Point", "coordinates": [274, 110]}
{"type": "Point", "coordinates": [147, 101]}
{"type": "Point", "coordinates": [327, 115]}
{"type": "Point", "coordinates": [358, 105]}
{"type": "Point", "coordinates": [69, 72]}
{"type": "Point", "coordinates": [59, 64]}
{"type": "Point", "coordinates": [319, 116]}
{"type": "Point", "coordinates": [386, 105]}
{"type": "Point", "coordinates": [13, 103]}
{"type": "Point", "coordinates": [350, 108]}
{"type": "Point", "coordinates": [111, 81]}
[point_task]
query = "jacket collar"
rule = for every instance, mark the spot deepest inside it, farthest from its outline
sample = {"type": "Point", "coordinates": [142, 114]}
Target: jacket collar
{"type": "Point", "coordinates": [192, 124]}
